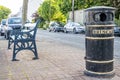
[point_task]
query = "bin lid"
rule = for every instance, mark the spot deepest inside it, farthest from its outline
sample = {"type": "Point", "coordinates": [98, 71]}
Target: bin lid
{"type": "Point", "coordinates": [100, 8]}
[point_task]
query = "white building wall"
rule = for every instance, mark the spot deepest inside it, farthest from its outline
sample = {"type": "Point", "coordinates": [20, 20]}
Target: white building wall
{"type": "Point", "coordinates": [19, 14]}
{"type": "Point", "coordinates": [78, 16]}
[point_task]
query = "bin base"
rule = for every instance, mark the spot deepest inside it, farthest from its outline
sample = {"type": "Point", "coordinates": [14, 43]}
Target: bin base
{"type": "Point", "coordinates": [95, 74]}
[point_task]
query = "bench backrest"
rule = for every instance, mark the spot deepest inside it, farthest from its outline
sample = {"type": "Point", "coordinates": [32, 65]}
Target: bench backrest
{"type": "Point", "coordinates": [23, 34]}
{"type": "Point", "coordinates": [34, 30]}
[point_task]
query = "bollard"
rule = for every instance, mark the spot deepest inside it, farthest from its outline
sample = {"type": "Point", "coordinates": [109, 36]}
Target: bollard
{"type": "Point", "coordinates": [99, 42]}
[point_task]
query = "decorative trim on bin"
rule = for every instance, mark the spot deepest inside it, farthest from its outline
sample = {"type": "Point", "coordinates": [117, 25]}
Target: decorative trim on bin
{"type": "Point", "coordinates": [99, 38]}
{"type": "Point", "coordinates": [100, 25]}
{"type": "Point", "coordinates": [94, 61]}
{"type": "Point", "coordinates": [100, 73]}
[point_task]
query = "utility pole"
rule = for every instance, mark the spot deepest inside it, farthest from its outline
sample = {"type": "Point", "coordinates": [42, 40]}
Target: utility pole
{"type": "Point", "coordinates": [24, 11]}
{"type": "Point", "coordinates": [49, 10]}
{"type": "Point", "coordinates": [73, 10]}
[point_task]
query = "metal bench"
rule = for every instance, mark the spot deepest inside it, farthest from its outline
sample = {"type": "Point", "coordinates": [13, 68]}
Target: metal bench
{"type": "Point", "coordinates": [23, 40]}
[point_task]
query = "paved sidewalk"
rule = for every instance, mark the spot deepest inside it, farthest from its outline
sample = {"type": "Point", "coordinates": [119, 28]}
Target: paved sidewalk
{"type": "Point", "coordinates": [57, 62]}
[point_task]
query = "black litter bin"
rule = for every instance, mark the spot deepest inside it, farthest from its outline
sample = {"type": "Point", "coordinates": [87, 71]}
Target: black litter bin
{"type": "Point", "coordinates": [99, 41]}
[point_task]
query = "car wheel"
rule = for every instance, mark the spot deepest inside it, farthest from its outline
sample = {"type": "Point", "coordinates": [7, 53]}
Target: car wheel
{"type": "Point", "coordinates": [49, 30]}
{"type": "Point", "coordinates": [65, 30]}
{"type": "Point", "coordinates": [54, 30]}
{"type": "Point", "coordinates": [82, 32]}
{"type": "Point", "coordinates": [119, 35]}
{"type": "Point", "coordinates": [74, 31]}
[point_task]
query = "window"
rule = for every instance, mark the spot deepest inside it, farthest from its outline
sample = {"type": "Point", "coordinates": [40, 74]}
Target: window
{"type": "Point", "coordinates": [14, 21]}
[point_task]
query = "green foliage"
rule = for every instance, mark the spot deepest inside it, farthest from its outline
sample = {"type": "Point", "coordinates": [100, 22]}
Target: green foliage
{"type": "Point", "coordinates": [67, 5]}
{"type": "Point", "coordinates": [41, 24]}
{"type": "Point", "coordinates": [117, 22]}
{"type": "Point", "coordinates": [43, 10]}
{"type": "Point", "coordinates": [45, 26]}
{"type": "Point", "coordinates": [116, 4]}
{"type": "Point", "coordinates": [59, 17]}
{"type": "Point", "coordinates": [50, 11]}
{"type": "Point", "coordinates": [47, 10]}
{"type": "Point", "coordinates": [57, 10]}
{"type": "Point", "coordinates": [4, 12]}
{"type": "Point", "coordinates": [83, 4]}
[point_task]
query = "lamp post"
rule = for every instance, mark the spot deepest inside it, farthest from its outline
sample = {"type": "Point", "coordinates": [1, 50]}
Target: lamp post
{"type": "Point", "coordinates": [24, 11]}
{"type": "Point", "coordinates": [49, 10]}
{"type": "Point", "coordinates": [73, 10]}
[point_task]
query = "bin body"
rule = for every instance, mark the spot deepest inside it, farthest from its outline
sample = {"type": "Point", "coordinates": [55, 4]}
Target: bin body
{"type": "Point", "coordinates": [99, 41]}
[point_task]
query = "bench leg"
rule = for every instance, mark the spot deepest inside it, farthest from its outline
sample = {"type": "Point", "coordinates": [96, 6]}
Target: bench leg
{"type": "Point", "coordinates": [14, 56]}
{"type": "Point", "coordinates": [35, 51]}
{"type": "Point", "coordinates": [9, 43]}
{"type": "Point", "coordinates": [14, 53]}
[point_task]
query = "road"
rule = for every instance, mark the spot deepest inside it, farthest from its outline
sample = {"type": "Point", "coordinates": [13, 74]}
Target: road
{"type": "Point", "coordinates": [74, 40]}
{"type": "Point", "coordinates": [70, 39]}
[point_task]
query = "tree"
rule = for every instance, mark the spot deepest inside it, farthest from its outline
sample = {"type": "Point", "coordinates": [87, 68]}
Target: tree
{"type": "Point", "coordinates": [59, 17]}
{"type": "Point", "coordinates": [83, 4]}
{"type": "Point", "coordinates": [50, 8]}
{"type": "Point", "coordinates": [48, 11]}
{"type": "Point", "coordinates": [65, 6]}
{"type": "Point", "coordinates": [4, 12]}
{"type": "Point", "coordinates": [116, 4]}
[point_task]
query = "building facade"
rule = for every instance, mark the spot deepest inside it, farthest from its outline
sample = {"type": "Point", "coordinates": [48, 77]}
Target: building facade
{"type": "Point", "coordinates": [78, 16]}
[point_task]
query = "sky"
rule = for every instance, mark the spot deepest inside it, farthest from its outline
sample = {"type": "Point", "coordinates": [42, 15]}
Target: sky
{"type": "Point", "coordinates": [14, 5]}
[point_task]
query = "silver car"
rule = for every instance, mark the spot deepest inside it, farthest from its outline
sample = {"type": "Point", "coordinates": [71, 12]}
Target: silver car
{"type": "Point", "coordinates": [12, 23]}
{"type": "Point", "coordinates": [2, 27]}
{"type": "Point", "coordinates": [74, 27]}
{"type": "Point", "coordinates": [55, 27]}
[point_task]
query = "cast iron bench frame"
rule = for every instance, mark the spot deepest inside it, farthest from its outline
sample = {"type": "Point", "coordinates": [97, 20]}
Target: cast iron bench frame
{"type": "Point", "coordinates": [23, 40]}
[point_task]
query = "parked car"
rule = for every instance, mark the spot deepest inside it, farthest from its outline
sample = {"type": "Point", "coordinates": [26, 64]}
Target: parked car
{"type": "Point", "coordinates": [56, 27]}
{"type": "Point", "coordinates": [12, 23]}
{"type": "Point", "coordinates": [74, 27]}
{"type": "Point", "coordinates": [3, 23]}
{"type": "Point", "coordinates": [116, 31]}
